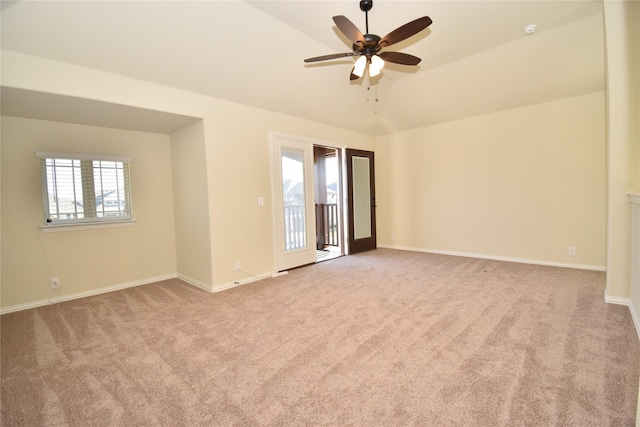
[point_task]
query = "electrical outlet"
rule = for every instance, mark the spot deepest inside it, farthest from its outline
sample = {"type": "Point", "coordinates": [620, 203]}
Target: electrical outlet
{"type": "Point", "coordinates": [572, 251]}
{"type": "Point", "coordinates": [238, 265]}
{"type": "Point", "coordinates": [55, 282]}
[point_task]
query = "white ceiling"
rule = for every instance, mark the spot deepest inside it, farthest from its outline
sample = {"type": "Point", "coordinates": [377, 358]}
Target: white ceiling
{"type": "Point", "coordinates": [475, 56]}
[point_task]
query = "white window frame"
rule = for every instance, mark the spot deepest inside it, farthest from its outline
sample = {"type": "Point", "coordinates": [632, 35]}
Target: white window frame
{"type": "Point", "coordinates": [84, 163]}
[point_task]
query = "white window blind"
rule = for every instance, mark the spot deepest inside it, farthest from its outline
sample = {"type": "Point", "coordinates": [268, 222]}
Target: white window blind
{"type": "Point", "coordinates": [79, 188]}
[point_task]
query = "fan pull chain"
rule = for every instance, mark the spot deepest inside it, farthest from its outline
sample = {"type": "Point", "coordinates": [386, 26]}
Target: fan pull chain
{"type": "Point", "coordinates": [376, 98]}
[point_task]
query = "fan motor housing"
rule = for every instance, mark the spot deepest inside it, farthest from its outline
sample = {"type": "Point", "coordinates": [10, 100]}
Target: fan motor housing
{"type": "Point", "coordinates": [370, 47]}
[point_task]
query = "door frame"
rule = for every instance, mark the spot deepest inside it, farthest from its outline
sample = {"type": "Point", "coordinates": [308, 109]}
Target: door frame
{"type": "Point", "coordinates": [370, 242]}
{"type": "Point", "coordinates": [321, 196]}
{"type": "Point", "coordinates": [277, 215]}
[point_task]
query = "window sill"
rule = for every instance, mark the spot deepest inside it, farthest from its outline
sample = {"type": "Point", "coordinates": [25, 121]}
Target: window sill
{"type": "Point", "coordinates": [86, 226]}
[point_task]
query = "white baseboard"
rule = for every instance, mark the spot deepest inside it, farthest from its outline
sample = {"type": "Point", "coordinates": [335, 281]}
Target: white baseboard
{"type": "Point", "coordinates": [56, 299]}
{"type": "Point", "coordinates": [498, 258]}
{"type": "Point", "coordinates": [223, 286]}
{"type": "Point", "coordinates": [617, 300]}
{"type": "Point", "coordinates": [84, 294]}
{"type": "Point", "coordinates": [632, 309]}
{"type": "Point", "coordinates": [235, 283]}
{"type": "Point", "coordinates": [634, 316]}
{"type": "Point", "coordinates": [194, 282]}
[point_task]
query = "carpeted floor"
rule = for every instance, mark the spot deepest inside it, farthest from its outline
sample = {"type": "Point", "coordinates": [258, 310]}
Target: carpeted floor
{"type": "Point", "coordinates": [383, 338]}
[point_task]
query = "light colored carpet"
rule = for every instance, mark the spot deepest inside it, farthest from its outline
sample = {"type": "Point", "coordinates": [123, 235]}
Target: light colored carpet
{"type": "Point", "coordinates": [380, 338]}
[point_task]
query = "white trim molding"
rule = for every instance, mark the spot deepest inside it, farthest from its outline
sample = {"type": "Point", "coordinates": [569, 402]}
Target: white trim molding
{"type": "Point", "coordinates": [58, 228]}
{"type": "Point", "coordinates": [634, 316]}
{"type": "Point", "coordinates": [223, 286]}
{"type": "Point", "coordinates": [83, 156]}
{"type": "Point", "coordinates": [84, 294]}
{"type": "Point", "coordinates": [616, 300]}
{"type": "Point", "coordinates": [498, 258]}
{"type": "Point", "coordinates": [54, 299]}
{"type": "Point", "coordinates": [635, 260]}
{"type": "Point", "coordinates": [194, 282]}
{"type": "Point", "coordinates": [235, 283]}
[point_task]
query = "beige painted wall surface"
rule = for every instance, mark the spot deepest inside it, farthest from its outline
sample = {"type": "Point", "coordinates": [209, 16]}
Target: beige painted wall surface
{"type": "Point", "coordinates": [236, 149]}
{"type": "Point", "coordinates": [84, 260]}
{"type": "Point", "coordinates": [622, 23]}
{"type": "Point", "coordinates": [191, 208]}
{"type": "Point", "coordinates": [524, 184]}
{"type": "Point", "coordinates": [238, 155]}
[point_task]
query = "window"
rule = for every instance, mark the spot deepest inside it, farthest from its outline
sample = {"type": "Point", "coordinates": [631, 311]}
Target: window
{"type": "Point", "coordinates": [78, 188]}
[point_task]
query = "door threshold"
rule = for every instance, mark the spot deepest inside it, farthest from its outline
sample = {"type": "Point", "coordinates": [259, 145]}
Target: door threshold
{"type": "Point", "coordinates": [328, 253]}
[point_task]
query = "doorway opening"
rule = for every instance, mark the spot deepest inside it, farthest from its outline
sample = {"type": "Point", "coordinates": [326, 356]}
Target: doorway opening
{"type": "Point", "coordinates": [328, 203]}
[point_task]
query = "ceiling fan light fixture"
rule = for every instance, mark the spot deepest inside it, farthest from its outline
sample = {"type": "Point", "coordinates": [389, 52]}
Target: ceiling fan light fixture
{"type": "Point", "coordinates": [366, 46]}
{"type": "Point", "coordinates": [361, 64]}
{"type": "Point", "coordinates": [375, 65]}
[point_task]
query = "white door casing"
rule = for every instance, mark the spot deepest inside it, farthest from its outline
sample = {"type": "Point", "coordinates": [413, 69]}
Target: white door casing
{"type": "Point", "coordinates": [293, 207]}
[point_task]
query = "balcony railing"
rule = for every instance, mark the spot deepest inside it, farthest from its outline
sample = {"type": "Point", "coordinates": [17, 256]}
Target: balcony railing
{"type": "Point", "coordinates": [326, 226]}
{"type": "Point", "coordinates": [294, 228]}
{"type": "Point", "coordinates": [327, 218]}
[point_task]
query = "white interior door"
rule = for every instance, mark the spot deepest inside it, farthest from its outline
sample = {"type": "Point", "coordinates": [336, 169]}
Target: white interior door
{"type": "Point", "coordinates": [294, 211]}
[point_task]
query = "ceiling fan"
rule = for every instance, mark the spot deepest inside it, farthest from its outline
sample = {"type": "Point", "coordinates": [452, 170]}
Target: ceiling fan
{"type": "Point", "coordinates": [368, 45]}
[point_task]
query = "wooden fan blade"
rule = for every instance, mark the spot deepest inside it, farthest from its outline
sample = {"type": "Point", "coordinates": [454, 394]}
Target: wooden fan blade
{"type": "Point", "coordinates": [349, 29]}
{"type": "Point", "coordinates": [406, 31]}
{"type": "Point", "coordinates": [400, 58]}
{"type": "Point", "coordinates": [327, 57]}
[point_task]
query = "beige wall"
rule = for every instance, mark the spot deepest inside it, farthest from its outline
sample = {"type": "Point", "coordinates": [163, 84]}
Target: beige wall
{"type": "Point", "coordinates": [191, 205]}
{"type": "Point", "coordinates": [85, 260]}
{"type": "Point", "coordinates": [521, 184]}
{"type": "Point", "coordinates": [221, 164]}
{"type": "Point", "coordinates": [239, 166]}
{"type": "Point", "coordinates": [622, 23]}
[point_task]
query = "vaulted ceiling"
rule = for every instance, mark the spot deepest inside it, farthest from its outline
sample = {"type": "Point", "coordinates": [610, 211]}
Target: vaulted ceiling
{"type": "Point", "coordinates": [475, 57]}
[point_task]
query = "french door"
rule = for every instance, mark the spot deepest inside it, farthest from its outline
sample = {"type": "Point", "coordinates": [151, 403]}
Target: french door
{"type": "Point", "coordinates": [361, 196]}
{"type": "Point", "coordinates": [294, 208]}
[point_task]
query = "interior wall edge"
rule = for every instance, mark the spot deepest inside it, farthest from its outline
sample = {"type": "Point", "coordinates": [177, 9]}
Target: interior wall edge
{"type": "Point", "coordinates": [193, 282]}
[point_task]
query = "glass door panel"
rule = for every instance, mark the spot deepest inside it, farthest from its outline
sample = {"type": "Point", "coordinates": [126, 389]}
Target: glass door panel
{"type": "Point", "coordinates": [361, 198]}
{"type": "Point", "coordinates": [293, 200]}
{"type": "Point", "coordinates": [294, 209]}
